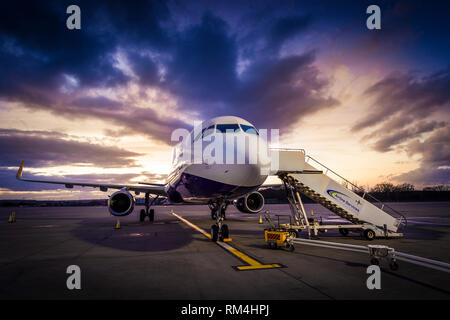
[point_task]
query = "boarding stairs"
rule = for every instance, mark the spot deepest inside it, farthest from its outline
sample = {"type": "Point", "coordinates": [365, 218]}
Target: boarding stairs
{"type": "Point", "coordinates": [302, 174]}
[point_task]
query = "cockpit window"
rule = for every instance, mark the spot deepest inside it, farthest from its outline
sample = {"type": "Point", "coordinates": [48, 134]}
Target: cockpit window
{"type": "Point", "coordinates": [227, 127]}
{"type": "Point", "coordinates": [249, 129]}
{"type": "Point", "coordinates": [208, 131]}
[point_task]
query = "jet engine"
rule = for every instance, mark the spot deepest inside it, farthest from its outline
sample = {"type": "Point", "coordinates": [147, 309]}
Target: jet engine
{"type": "Point", "coordinates": [251, 203]}
{"type": "Point", "coordinates": [121, 203]}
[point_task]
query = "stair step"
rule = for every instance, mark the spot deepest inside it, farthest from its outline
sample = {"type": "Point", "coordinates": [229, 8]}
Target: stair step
{"type": "Point", "coordinates": [300, 187]}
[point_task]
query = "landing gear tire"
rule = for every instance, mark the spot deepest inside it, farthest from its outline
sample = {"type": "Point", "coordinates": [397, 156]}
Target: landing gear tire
{"type": "Point", "coordinates": [369, 234]}
{"type": "Point", "coordinates": [151, 215]}
{"type": "Point", "coordinates": [214, 233]}
{"type": "Point", "coordinates": [142, 215]}
{"type": "Point", "coordinates": [224, 233]}
{"type": "Point", "coordinates": [393, 265]}
{"type": "Point", "coordinates": [343, 232]}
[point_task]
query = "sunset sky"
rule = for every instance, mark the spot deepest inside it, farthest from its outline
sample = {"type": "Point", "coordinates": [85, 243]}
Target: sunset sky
{"type": "Point", "coordinates": [99, 104]}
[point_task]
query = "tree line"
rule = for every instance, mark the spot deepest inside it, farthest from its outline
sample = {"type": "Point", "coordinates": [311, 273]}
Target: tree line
{"type": "Point", "coordinates": [388, 187]}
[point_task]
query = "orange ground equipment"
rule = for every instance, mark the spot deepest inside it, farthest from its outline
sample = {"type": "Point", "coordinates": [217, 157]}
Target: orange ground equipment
{"type": "Point", "coordinates": [278, 239]}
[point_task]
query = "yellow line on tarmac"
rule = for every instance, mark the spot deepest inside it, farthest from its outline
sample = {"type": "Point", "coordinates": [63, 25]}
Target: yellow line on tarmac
{"type": "Point", "coordinates": [252, 263]}
{"type": "Point", "coordinates": [191, 225]}
{"type": "Point", "coordinates": [263, 266]}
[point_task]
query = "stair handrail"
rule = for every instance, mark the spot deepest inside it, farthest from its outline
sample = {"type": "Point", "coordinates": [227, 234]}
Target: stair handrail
{"type": "Point", "coordinates": [362, 190]}
{"type": "Point", "coordinates": [288, 149]}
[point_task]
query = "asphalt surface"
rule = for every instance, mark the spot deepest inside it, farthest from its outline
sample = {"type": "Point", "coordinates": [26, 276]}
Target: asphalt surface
{"type": "Point", "coordinates": [169, 259]}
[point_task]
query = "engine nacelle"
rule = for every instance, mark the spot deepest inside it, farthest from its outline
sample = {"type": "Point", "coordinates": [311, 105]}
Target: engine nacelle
{"type": "Point", "coordinates": [121, 203]}
{"type": "Point", "coordinates": [251, 203]}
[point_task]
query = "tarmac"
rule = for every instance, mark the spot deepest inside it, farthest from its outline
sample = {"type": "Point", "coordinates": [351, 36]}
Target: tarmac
{"type": "Point", "coordinates": [172, 259]}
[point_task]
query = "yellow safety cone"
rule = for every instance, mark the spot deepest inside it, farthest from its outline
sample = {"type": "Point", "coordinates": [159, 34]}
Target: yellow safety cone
{"type": "Point", "coordinates": [118, 224]}
{"type": "Point", "coordinates": [12, 217]}
{"type": "Point", "coordinates": [260, 219]}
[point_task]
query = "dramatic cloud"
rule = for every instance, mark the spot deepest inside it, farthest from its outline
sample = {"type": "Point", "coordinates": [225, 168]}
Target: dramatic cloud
{"type": "Point", "coordinates": [435, 161]}
{"type": "Point", "coordinates": [272, 91]}
{"type": "Point", "coordinates": [49, 67]}
{"type": "Point", "coordinates": [267, 30]}
{"type": "Point", "coordinates": [401, 103]}
{"type": "Point", "coordinates": [435, 150]}
{"type": "Point", "coordinates": [285, 28]}
{"type": "Point", "coordinates": [132, 119]}
{"type": "Point", "coordinates": [204, 62]}
{"type": "Point", "coordinates": [43, 148]}
{"type": "Point", "coordinates": [278, 93]}
{"type": "Point", "coordinates": [400, 99]}
{"type": "Point", "coordinates": [390, 140]}
{"type": "Point", "coordinates": [425, 176]}
{"type": "Point", "coordinates": [196, 66]}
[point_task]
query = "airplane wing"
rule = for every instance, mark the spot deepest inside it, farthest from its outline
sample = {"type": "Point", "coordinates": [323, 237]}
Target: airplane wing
{"type": "Point", "coordinates": [152, 184]}
{"type": "Point", "coordinates": [152, 189]}
{"type": "Point", "coordinates": [300, 171]}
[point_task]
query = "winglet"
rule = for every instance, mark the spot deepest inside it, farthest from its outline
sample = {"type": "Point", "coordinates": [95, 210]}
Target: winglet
{"type": "Point", "coordinates": [19, 173]}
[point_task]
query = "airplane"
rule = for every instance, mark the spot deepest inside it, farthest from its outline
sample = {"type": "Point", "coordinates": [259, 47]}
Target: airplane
{"type": "Point", "coordinates": [200, 182]}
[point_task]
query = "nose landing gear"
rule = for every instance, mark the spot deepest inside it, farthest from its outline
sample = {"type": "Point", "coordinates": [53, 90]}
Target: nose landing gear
{"type": "Point", "coordinates": [147, 213]}
{"type": "Point", "coordinates": [215, 208]}
{"type": "Point", "coordinates": [219, 231]}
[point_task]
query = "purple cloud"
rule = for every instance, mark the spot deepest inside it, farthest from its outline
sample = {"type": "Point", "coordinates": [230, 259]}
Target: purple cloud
{"type": "Point", "coordinates": [44, 148]}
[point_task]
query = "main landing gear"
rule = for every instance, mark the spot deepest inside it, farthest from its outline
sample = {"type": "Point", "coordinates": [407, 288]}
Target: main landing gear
{"type": "Point", "coordinates": [219, 231]}
{"type": "Point", "coordinates": [147, 212]}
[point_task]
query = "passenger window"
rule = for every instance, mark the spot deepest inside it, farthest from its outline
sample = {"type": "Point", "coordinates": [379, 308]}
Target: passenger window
{"type": "Point", "coordinates": [206, 132]}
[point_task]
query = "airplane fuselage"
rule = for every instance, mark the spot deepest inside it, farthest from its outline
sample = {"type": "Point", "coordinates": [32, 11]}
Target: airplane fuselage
{"type": "Point", "coordinates": [230, 175]}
